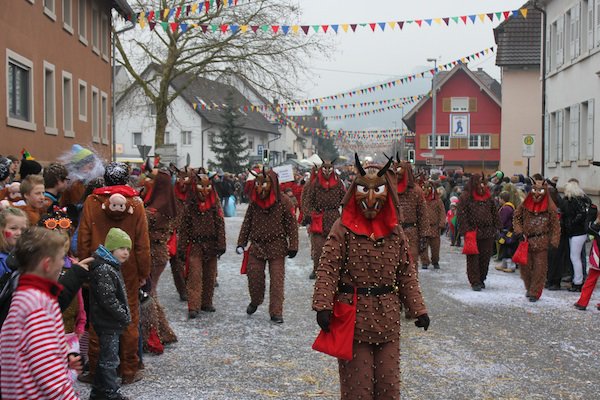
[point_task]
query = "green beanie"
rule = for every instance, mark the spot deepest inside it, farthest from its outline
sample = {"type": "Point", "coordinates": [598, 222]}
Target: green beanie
{"type": "Point", "coordinates": [116, 239]}
{"type": "Point", "coordinates": [80, 153]}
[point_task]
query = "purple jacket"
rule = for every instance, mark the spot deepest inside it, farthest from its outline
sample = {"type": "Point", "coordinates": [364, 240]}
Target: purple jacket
{"type": "Point", "coordinates": [506, 216]}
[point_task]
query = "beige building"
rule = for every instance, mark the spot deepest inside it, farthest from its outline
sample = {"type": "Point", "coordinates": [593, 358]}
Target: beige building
{"type": "Point", "coordinates": [519, 55]}
{"type": "Point", "coordinates": [55, 75]}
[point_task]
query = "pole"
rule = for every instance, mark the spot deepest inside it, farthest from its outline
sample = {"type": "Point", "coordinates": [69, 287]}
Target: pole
{"type": "Point", "coordinates": [544, 66]}
{"type": "Point", "coordinates": [112, 88]}
{"type": "Point", "coordinates": [434, 110]}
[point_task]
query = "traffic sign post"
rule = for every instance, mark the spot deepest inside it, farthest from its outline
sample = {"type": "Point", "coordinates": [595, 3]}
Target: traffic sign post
{"type": "Point", "coordinates": [528, 149]}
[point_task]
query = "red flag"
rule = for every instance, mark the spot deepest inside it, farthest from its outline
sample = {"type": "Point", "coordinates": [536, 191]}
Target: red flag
{"type": "Point", "coordinates": [419, 22]}
{"type": "Point", "coordinates": [224, 28]}
{"type": "Point", "coordinates": [464, 19]}
{"type": "Point", "coordinates": [178, 12]}
{"type": "Point", "coordinates": [204, 28]}
{"type": "Point", "coordinates": [275, 28]}
{"type": "Point", "coordinates": [174, 26]}
{"type": "Point", "coordinates": [506, 14]}
{"type": "Point", "coordinates": [325, 27]}
{"type": "Point", "coordinates": [373, 26]}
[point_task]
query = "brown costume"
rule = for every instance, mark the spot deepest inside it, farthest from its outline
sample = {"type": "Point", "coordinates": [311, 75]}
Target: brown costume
{"type": "Point", "coordinates": [202, 235]}
{"type": "Point", "coordinates": [324, 198]}
{"type": "Point", "coordinates": [119, 207]}
{"type": "Point", "coordinates": [272, 232]}
{"type": "Point", "coordinates": [363, 253]}
{"type": "Point", "coordinates": [477, 211]}
{"type": "Point", "coordinates": [412, 207]}
{"type": "Point", "coordinates": [537, 220]}
{"type": "Point", "coordinates": [435, 217]}
{"type": "Point", "coordinates": [182, 186]}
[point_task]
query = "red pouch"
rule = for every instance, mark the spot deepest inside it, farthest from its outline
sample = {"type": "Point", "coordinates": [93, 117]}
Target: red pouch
{"type": "Point", "coordinates": [470, 247]}
{"type": "Point", "coordinates": [244, 269]}
{"type": "Point", "coordinates": [172, 244]}
{"type": "Point", "coordinates": [338, 342]}
{"type": "Point", "coordinates": [154, 344]}
{"type": "Point", "coordinates": [520, 256]}
{"type": "Point", "coordinates": [316, 224]}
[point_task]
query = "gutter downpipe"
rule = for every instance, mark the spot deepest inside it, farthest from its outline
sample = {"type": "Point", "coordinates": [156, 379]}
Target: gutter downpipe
{"type": "Point", "coordinates": [202, 144]}
{"type": "Point", "coordinates": [544, 50]}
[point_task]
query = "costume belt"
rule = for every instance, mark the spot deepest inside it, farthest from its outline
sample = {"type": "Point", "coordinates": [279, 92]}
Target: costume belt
{"type": "Point", "coordinates": [409, 225]}
{"type": "Point", "coordinates": [369, 291]}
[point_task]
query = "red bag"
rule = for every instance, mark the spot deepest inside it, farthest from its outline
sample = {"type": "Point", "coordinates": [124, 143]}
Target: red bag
{"type": "Point", "coordinates": [316, 224]}
{"type": "Point", "coordinates": [172, 244]}
{"type": "Point", "coordinates": [470, 247]}
{"type": "Point", "coordinates": [244, 269]}
{"type": "Point", "coordinates": [594, 256]}
{"type": "Point", "coordinates": [520, 256]}
{"type": "Point", "coordinates": [339, 340]}
{"type": "Point", "coordinates": [154, 344]}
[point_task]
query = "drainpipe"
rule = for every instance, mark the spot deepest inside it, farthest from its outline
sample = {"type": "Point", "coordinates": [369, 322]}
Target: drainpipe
{"type": "Point", "coordinates": [544, 50]}
{"type": "Point", "coordinates": [202, 144]}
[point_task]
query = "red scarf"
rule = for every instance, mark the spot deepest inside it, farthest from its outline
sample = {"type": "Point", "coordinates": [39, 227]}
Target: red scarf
{"type": "Point", "coordinates": [125, 190]}
{"type": "Point", "coordinates": [264, 204]}
{"type": "Point", "coordinates": [383, 224]}
{"type": "Point", "coordinates": [206, 205]}
{"type": "Point", "coordinates": [481, 197]}
{"type": "Point", "coordinates": [534, 207]}
{"type": "Point", "coordinates": [431, 196]}
{"type": "Point", "coordinates": [31, 281]}
{"type": "Point", "coordinates": [327, 183]}
{"type": "Point", "coordinates": [403, 184]}
{"type": "Point", "coordinates": [178, 193]}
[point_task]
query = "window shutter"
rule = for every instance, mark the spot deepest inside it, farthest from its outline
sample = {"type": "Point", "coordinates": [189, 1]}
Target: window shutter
{"type": "Point", "coordinates": [424, 141]}
{"type": "Point", "coordinates": [590, 130]}
{"type": "Point", "coordinates": [547, 137]}
{"type": "Point", "coordinates": [571, 32]}
{"type": "Point", "coordinates": [495, 141]}
{"type": "Point", "coordinates": [560, 40]}
{"type": "Point", "coordinates": [590, 25]}
{"type": "Point", "coordinates": [597, 22]}
{"type": "Point", "coordinates": [447, 104]}
{"type": "Point", "coordinates": [574, 133]}
{"type": "Point", "coordinates": [548, 49]}
{"type": "Point", "coordinates": [454, 143]}
{"type": "Point", "coordinates": [577, 29]}
{"type": "Point", "coordinates": [559, 135]}
{"type": "Point", "coordinates": [463, 143]}
{"type": "Point", "coordinates": [472, 104]}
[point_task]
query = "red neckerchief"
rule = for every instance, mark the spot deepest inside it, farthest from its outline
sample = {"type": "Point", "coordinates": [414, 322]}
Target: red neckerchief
{"type": "Point", "coordinates": [381, 226]}
{"type": "Point", "coordinates": [327, 183]}
{"type": "Point", "coordinates": [178, 193]}
{"type": "Point", "coordinates": [536, 207]}
{"type": "Point", "coordinates": [148, 194]}
{"type": "Point", "coordinates": [125, 190]}
{"type": "Point", "coordinates": [483, 197]}
{"type": "Point", "coordinates": [431, 196]}
{"type": "Point", "coordinates": [264, 204]}
{"type": "Point", "coordinates": [206, 205]}
{"type": "Point", "coordinates": [31, 281]}
{"type": "Point", "coordinates": [403, 184]}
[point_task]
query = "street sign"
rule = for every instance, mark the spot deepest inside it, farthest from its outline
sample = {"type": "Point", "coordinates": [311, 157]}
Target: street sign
{"type": "Point", "coordinates": [259, 150]}
{"type": "Point", "coordinates": [426, 155]}
{"type": "Point", "coordinates": [437, 161]}
{"type": "Point", "coordinates": [144, 150]}
{"type": "Point", "coordinates": [528, 146]}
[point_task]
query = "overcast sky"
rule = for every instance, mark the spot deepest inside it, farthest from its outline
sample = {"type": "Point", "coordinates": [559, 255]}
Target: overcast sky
{"type": "Point", "coordinates": [380, 56]}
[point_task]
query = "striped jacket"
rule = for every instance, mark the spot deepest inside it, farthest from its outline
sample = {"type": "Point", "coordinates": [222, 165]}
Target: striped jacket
{"type": "Point", "coordinates": [33, 360]}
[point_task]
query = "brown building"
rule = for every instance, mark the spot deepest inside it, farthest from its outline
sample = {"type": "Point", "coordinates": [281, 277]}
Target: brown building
{"type": "Point", "coordinates": [55, 75]}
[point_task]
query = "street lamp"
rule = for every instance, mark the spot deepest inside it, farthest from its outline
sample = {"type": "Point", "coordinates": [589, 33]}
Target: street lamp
{"type": "Point", "coordinates": [434, 110]}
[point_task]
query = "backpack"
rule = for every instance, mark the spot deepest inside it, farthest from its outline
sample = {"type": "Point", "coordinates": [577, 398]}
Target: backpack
{"type": "Point", "coordinates": [8, 285]}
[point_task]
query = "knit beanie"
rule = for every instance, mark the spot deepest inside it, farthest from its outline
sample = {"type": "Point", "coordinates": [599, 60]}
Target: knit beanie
{"type": "Point", "coordinates": [116, 239]}
{"type": "Point", "coordinates": [81, 155]}
{"type": "Point", "coordinates": [29, 167]}
{"type": "Point", "coordinates": [116, 173]}
{"type": "Point", "coordinates": [4, 168]}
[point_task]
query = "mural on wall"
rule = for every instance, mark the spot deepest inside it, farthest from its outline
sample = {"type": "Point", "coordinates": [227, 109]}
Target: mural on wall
{"type": "Point", "coordinates": [460, 125]}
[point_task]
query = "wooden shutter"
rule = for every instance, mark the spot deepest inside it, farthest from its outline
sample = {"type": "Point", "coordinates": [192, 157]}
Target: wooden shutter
{"type": "Point", "coordinates": [576, 14]}
{"type": "Point", "coordinates": [472, 104]}
{"type": "Point", "coordinates": [590, 130]}
{"type": "Point", "coordinates": [574, 132]}
{"type": "Point", "coordinates": [590, 24]}
{"type": "Point", "coordinates": [424, 141]}
{"type": "Point", "coordinates": [560, 41]}
{"type": "Point", "coordinates": [494, 141]}
{"type": "Point", "coordinates": [454, 143]}
{"type": "Point", "coordinates": [447, 104]}
{"type": "Point", "coordinates": [463, 143]}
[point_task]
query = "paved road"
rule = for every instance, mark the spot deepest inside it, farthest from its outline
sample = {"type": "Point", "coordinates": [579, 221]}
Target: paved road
{"type": "Point", "coordinates": [492, 344]}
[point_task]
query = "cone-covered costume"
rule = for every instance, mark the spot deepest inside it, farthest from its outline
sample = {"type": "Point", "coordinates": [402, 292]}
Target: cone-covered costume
{"type": "Point", "coordinates": [412, 208]}
{"type": "Point", "coordinates": [272, 232]}
{"type": "Point", "coordinates": [182, 187]}
{"type": "Point", "coordinates": [435, 218]}
{"type": "Point", "coordinates": [536, 219]}
{"type": "Point", "coordinates": [477, 212]}
{"type": "Point", "coordinates": [202, 235]}
{"type": "Point", "coordinates": [367, 251]}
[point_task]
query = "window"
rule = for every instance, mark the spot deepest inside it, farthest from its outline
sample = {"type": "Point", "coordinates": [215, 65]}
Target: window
{"type": "Point", "coordinates": [82, 21]}
{"type": "Point", "coordinates": [49, 99]}
{"type": "Point", "coordinates": [574, 23]}
{"type": "Point", "coordinates": [564, 140]}
{"type": "Point", "coordinates": [479, 142]}
{"type": "Point", "coordinates": [587, 19]}
{"type": "Point", "coordinates": [167, 137]}
{"type": "Point", "coordinates": [104, 117]}
{"type": "Point", "coordinates": [95, 116]}
{"type": "Point", "coordinates": [152, 109]}
{"type": "Point", "coordinates": [441, 141]}
{"type": "Point", "coordinates": [137, 139]}
{"type": "Point", "coordinates": [50, 9]}
{"type": "Point", "coordinates": [251, 144]}
{"type": "Point", "coordinates": [559, 123]}
{"type": "Point", "coordinates": [104, 35]}
{"type": "Point", "coordinates": [574, 113]}
{"type": "Point", "coordinates": [95, 30]}
{"type": "Point", "coordinates": [186, 138]}
{"type": "Point", "coordinates": [460, 104]}
{"type": "Point", "coordinates": [67, 106]}
{"type": "Point", "coordinates": [560, 41]}
{"type": "Point", "coordinates": [19, 91]}
{"type": "Point", "coordinates": [67, 9]}
{"type": "Point", "coordinates": [82, 101]}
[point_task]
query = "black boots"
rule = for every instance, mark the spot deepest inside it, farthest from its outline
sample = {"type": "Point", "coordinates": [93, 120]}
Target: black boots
{"type": "Point", "coordinates": [575, 288]}
{"type": "Point", "coordinates": [251, 309]}
{"type": "Point", "coordinates": [277, 319]}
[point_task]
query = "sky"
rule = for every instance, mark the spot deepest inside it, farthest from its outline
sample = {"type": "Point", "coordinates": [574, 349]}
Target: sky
{"type": "Point", "coordinates": [368, 58]}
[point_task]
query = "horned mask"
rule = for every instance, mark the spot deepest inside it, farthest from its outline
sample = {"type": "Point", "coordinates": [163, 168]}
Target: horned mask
{"type": "Point", "coordinates": [371, 189]}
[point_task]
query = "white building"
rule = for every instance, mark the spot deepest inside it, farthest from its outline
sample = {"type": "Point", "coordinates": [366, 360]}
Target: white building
{"type": "Point", "coordinates": [195, 117]}
{"type": "Point", "coordinates": [572, 128]}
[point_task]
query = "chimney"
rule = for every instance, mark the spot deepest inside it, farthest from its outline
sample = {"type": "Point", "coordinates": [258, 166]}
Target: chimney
{"type": "Point", "coordinates": [479, 69]}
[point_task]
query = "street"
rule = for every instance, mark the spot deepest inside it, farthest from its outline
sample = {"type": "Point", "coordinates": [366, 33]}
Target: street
{"type": "Point", "coordinates": [492, 344]}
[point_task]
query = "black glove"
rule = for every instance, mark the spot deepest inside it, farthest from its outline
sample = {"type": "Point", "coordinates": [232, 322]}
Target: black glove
{"type": "Point", "coordinates": [422, 321]}
{"type": "Point", "coordinates": [307, 220]}
{"type": "Point", "coordinates": [292, 253]}
{"type": "Point", "coordinates": [323, 319]}
{"type": "Point", "coordinates": [239, 250]}
{"type": "Point", "coordinates": [422, 244]}
{"type": "Point", "coordinates": [181, 254]}
{"type": "Point", "coordinates": [220, 253]}
{"type": "Point", "coordinates": [442, 230]}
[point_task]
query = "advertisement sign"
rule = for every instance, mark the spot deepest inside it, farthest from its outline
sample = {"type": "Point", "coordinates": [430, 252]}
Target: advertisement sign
{"type": "Point", "coordinates": [285, 173]}
{"type": "Point", "coordinates": [459, 125]}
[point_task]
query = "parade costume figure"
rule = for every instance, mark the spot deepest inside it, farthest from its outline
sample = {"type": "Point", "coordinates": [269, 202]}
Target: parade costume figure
{"type": "Point", "coordinates": [182, 186]}
{"type": "Point", "coordinates": [367, 251]}
{"type": "Point", "coordinates": [536, 219]}
{"type": "Point", "coordinates": [435, 217]}
{"type": "Point", "coordinates": [118, 205]}
{"type": "Point", "coordinates": [272, 232]}
{"type": "Point", "coordinates": [477, 212]}
{"type": "Point", "coordinates": [202, 236]}
{"type": "Point", "coordinates": [161, 213]}
{"type": "Point", "coordinates": [412, 208]}
{"type": "Point", "coordinates": [323, 208]}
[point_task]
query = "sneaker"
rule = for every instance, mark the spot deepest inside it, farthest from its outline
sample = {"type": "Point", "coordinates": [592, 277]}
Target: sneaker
{"type": "Point", "coordinates": [251, 309]}
{"type": "Point", "coordinates": [579, 307]}
{"type": "Point", "coordinates": [277, 319]}
{"type": "Point", "coordinates": [483, 285]}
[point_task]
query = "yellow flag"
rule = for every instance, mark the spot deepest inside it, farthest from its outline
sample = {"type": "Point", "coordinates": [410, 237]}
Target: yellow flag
{"type": "Point", "coordinates": [142, 20]}
{"type": "Point", "coordinates": [482, 17]}
{"type": "Point", "coordinates": [195, 105]}
{"type": "Point", "coordinates": [345, 27]}
{"type": "Point", "coordinates": [244, 28]}
{"type": "Point", "coordinates": [194, 8]}
{"type": "Point", "coordinates": [392, 24]}
{"type": "Point", "coordinates": [295, 28]}
{"type": "Point", "coordinates": [166, 13]}
{"type": "Point", "coordinates": [523, 12]}
{"type": "Point", "coordinates": [438, 20]}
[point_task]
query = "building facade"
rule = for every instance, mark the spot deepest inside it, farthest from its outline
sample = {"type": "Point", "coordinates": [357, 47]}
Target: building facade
{"type": "Point", "coordinates": [55, 75]}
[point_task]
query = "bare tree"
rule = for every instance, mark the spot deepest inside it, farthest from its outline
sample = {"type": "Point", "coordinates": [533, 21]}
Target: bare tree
{"type": "Point", "coordinates": [271, 62]}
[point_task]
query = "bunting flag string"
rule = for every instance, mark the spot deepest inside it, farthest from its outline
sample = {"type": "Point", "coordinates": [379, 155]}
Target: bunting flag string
{"type": "Point", "coordinates": [395, 82]}
{"type": "Point", "coordinates": [292, 107]}
{"type": "Point", "coordinates": [162, 17]}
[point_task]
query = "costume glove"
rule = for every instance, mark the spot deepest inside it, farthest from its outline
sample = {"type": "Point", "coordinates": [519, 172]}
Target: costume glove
{"type": "Point", "coordinates": [292, 253]}
{"type": "Point", "coordinates": [239, 250]}
{"type": "Point", "coordinates": [422, 244]}
{"type": "Point", "coordinates": [307, 220]}
{"type": "Point", "coordinates": [422, 321]}
{"type": "Point", "coordinates": [323, 319]}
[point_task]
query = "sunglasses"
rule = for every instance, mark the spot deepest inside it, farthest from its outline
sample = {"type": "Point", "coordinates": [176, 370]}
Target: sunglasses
{"type": "Point", "coordinates": [53, 223]}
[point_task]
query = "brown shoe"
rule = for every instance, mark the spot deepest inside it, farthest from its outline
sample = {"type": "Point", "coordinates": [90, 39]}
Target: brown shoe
{"type": "Point", "coordinates": [128, 380]}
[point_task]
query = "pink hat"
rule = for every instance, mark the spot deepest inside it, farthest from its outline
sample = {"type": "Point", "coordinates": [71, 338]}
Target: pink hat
{"type": "Point", "coordinates": [453, 200]}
